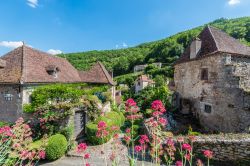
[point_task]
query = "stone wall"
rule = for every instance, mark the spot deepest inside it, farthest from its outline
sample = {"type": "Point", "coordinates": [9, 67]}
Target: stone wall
{"type": "Point", "coordinates": [229, 147]}
{"type": "Point", "coordinates": [225, 91]}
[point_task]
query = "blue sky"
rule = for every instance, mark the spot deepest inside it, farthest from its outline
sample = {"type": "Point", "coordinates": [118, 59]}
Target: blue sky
{"type": "Point", "coordinates": [82, 25]}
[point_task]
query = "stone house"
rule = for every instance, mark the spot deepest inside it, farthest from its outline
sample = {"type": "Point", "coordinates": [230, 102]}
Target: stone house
{"type": "Point", "coordinates": [142, 82]}
{"type": "Point", "coordinates": [212, 81]}
{"type": "Point", "coordinates": [25, 68]}
{"type": "Point", "coordinates": [139, 68]}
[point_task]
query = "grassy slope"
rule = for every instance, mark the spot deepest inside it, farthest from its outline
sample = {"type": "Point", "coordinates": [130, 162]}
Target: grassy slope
{"type": "Point", "coordinates": [167, 50]}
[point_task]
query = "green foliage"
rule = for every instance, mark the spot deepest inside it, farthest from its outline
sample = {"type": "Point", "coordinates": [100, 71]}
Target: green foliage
{"type": "Point", "coordinates": [57, 146]}
{"type": "Point", "coordinates": [90, 105]}
{"type": "Point", "coordinates": [167, 50]}
{"type": "Point", "coordinates": [28, 108]}
{"type": "Point", "coordinates": [56, 93]}
{"type": "Point", "coordinates": [2, 124]}
{"type": "Point", "coordinates": [149, 94]}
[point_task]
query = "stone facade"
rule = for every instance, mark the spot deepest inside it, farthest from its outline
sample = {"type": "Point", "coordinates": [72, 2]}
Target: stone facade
{"type": "Point", "coordinates": [10, 102]}
{"type": "Point", "coordinates": [222, 101]}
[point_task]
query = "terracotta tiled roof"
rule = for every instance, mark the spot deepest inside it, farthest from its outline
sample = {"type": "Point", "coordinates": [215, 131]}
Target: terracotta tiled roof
{"type": "Point", "coordinates": [214, 40]}
{"type": "Point", "coordinates": [145, 78]}
{"type": "Point", "coordinates": [27, 65]}
{"type": "Point", "coordinates": [97, 74]}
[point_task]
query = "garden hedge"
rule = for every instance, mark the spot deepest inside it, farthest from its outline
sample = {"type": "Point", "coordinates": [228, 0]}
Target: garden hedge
{"type": "Point", "coordinates": [57, 146]}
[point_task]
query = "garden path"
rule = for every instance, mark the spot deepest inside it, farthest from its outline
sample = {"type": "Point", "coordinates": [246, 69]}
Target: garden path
{"type": "Point", "coordinates": [97, 158]}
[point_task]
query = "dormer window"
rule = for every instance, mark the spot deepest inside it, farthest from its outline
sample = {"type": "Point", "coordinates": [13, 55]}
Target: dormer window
{"type": "Point", "coordinates": [52, 70]}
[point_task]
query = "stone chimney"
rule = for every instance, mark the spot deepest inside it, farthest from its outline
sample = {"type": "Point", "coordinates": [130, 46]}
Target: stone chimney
{"type": "Point", "coordinates": [195, 48]}
{"type": "Point", "coordinates": [2, 63]}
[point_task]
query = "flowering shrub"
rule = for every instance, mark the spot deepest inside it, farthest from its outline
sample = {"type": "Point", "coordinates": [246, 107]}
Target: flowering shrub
{"type": "Point", "coordinates": [15, 142]}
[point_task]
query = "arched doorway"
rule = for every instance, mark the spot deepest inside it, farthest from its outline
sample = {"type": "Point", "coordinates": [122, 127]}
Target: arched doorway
{"type": "Point", "coordinates": [80, 120]}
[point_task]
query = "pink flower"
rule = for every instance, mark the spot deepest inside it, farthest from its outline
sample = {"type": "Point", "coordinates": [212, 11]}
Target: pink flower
{"type": "Point", "coordinates": [208, 154]}
{"type": "Point", "coordinates": [178, 163]}
{"type": "Point", "coordinates": [157, 113]}
{"type": "Point", "coordinates": [128, 130]}
{"type": "Point", "coordinates": [157, 105]}
{"type": "Point", "coordinates": [87, 164]}
{"type": "Point", "coordinates": [187, 147]}
{"type": "Point", "coordinates": [127, 139]}
{"type": "Point", "coordinates": [130, 103]}
{"type": "Point", "coordinates": [199, 162]}
{"type": "Point", "coordinates": [116, 136]}
{"type": "Point", "coordinates": [87, 156]}
{"type": "Point", "coordinates": [138, 149]}
{"type": "Point", "coordinates": [145, 138]}
{"type": "Point", "coordinates": [187, 156]}
{"type": "Point", "coordinates": [180, 139]}
{"type": "Point", "coordinates": [162, 121]}
{"type": "Point", "coordinates": [115, 128]}
{"type": "Point", "coordinates": [24, 154]}
{"type": "Point", "coordinates": [102, 124]}
{"type": "Point", "coordinates": [41, 154]}
{"type": "Point", "coordinates": [81, 147]}
{"type": "Point", "coordinates": [170, 142]}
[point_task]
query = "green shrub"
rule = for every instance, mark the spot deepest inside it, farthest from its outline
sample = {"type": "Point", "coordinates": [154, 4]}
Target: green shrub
{"type": "Point", "coordinates": [68, 132]}
{"type": "Point", "coordinates": [91, 129]}
{"type": "Point", "coordinates": [28, 108]}
{"type": "Point", "coordinates": [2, 124]}
{"type": "Point", "coordinates": [57, 146]}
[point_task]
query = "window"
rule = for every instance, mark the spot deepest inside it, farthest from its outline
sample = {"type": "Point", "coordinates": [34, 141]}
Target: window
{"type": "Point", "coordinates": [8, 97]}
{"type": "Point", "coordinates": [204, 74]}
{"type": "Point", "coordinates": [208, 109]}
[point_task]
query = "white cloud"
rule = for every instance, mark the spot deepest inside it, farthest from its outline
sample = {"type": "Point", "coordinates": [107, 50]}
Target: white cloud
{"type": "Point", "coordinates": [233, 2]}
{"type": "Point", "coordinates": [124, 45]}
{"type": "Point", "coordinates": [54, 52]}
{"type": "Point", "coordinates": [11, 44]}
{"type": "Point", "coordinates": [32, 3]}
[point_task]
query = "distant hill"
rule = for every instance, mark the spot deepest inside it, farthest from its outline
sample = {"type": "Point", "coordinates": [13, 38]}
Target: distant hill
{"type": "Point", "coordinates": [167, 50]}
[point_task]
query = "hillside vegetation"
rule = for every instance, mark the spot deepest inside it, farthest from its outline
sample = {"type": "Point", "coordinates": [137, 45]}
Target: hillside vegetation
{"type": "Point", "coordinates": [167, 50]}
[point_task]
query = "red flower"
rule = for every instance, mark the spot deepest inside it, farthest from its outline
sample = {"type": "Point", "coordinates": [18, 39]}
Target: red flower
{"type": "Point", "coordinates": [87, 164]}
{"type": "Point", "coordinates": [157, 113]}
{"type": "Point", "coordinates": [127, 139]}
{"type": "Point", "coordinates": [187, 147]}
{"type": "Point", "coordinates": [157, 105]}
{"type": "Point", "coordinates": [116, 136]}
{"type": "Point", "coordinates": [87, 156]}
{"type": "Point", "coordinates": [128, 130]}
{"type": "Point", "coordinates": [81, 147]}
{"type": "Point", "coordinates": [208, 154]}
{"type": "Point", "coordinates": [115, 128]}
{"type": "Point", "coordinates": [187, 156]}
{"type": "Point", "coordinates": [130, 103]}
{"type": "Point", "coordinates": [41, 154]}
{"type": "Point", "coordinates": [138, 149]}
{"type": "Point", "coordinates": [102, 124]}
{"type": "Point", "coordinates": [178, 163]}
{"type": "Point", "coordinates": [162, 121]}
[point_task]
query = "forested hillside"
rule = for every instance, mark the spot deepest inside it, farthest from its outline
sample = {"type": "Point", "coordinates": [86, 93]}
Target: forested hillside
{"type": "Point", "coordinates": [167, 50]}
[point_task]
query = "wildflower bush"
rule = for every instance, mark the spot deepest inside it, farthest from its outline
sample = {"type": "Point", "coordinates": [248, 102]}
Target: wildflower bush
{"type": "Point", "coordinates": [162, 149]}
{"type": "Point", "coordinates": [57, 146]}
{"type": "Point", "coordinates": [15, 142]}
{"type": "Point", "coordinates": [111, 119]}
